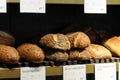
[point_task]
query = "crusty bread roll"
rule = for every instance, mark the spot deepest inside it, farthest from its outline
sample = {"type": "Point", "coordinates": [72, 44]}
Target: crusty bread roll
{"type": "Point", "coordinates": [113, 44]}
{"type": "Point", "coordinates": [78, 39]}
{"type": "Point", "coordinates": [87, 29]}
{"type": "Point", "coordinates": [56, 55]}
{"type": "Point", "coordinates": [79, 55]}
{"type": "Point", "coordinates": [6, 38]}
{"type": "Point", "coordinates": [98, 51]}
{"type": "Point", "coordinates": [55, 41]}
{"type": "Point", "coordinates": [31, 52]}
{"type": "Point", "coordinates": [8, 54]}
{"type": "Point", "coordinates": [93, 51]}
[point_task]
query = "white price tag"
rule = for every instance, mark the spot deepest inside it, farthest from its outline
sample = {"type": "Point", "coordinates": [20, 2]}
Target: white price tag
{"type": "Point", "coordinates": [105, 71]}
{"type": "Point", "coordinates": [95, 6]}
{"type": "Point", "coordinates": [32, 6]}
{"type": "Point", "coordinates": [74, 72]}
{"type": "Point", "coordinates": [119, 71]}
{"type": "Point", "coordinates": [30, 73]}
{"type": "Point", "coordinates": [3, 6]}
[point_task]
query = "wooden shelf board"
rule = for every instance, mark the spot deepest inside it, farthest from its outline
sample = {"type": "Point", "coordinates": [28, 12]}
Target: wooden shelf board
{"type": "Point", "coordinates": [50, 71]}
{"type": "Point", "coordinates": [109, 2]}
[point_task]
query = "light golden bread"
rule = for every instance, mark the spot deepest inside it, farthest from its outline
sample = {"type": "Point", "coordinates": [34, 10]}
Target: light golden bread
{"type": "Point", "coordinates": [93, 51]}
{"type": "Point", "coordinates": [98, 51]}
{"type": "Point", "coordinates": [113, 44]}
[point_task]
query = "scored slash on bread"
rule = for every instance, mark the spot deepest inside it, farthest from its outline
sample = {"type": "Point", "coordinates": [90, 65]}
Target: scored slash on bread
{"type": "Point", "coordinates": [78, 39]}
{"type": "Point", "coordinates": [55, 41]}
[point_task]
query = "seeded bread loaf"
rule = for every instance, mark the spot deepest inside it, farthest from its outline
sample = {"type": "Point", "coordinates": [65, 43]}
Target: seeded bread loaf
{"type": "Point", "coordinates": [8, 54]}
{"type": "Point", "coordinates": [31, 52]}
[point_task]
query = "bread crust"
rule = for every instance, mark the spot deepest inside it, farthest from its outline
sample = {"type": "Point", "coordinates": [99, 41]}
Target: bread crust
{"type": "Point", "coordinates": [31, 52]}
{"type": "Point", "coordinates": [98, 51]}
{"type": "Point", "coordinates": [6, 38]}
{"type": "Point", "coordinates": [8, 54]}
{"type": "Point", "coordinates": [93, 51]}
{"type": "Point", "coordinates": [55, 41]}
{"type": "Point", "coordinates": [78, 39]}
{"type": "Point", "coordinates": [113, 44]}
{"type": "Point", "coordinates": [56, 55]}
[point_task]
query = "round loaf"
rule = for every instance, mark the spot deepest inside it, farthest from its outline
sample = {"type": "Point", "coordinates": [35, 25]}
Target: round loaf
{"type": "Point", "coordinates": [55, 41]}
{"type": "Point", "coordinates": [79, 55]}
{"type": "Point", "coordinates": [31, 52]}
{"type": "Point", "coordinates": [8, 54]}
{"type": "Point", "coordinates": [57, 56]}
{"type": "Point", "coordinates": [78, 39]}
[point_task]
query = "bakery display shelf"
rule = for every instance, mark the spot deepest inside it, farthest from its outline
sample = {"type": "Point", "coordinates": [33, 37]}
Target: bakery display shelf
{"type": "Point", "coordinates": [7, 73]}
{"type": "Point", "coordinates": [52, 68]}
{"type": "Point", "coordinates": [56, 63]}
{"type": "Point", "coordinates": [109, 2]}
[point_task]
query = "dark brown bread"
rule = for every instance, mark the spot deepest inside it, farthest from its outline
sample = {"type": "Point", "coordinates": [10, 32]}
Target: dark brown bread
{"type": "Point", "coordinates": [79, 55]}
{"type": "Point", "coordinates": [6, 38]}
{"type": "Point", "coordinates": [31, 52]}
{"type": "Point", "coordinates": [57, 55]}
{"type": "Point", "coordinates": [87, 29]}
{"type": "Point", "coordinates": [55, 41]}
{"type": "Point", "coordinates": [78, 40]}
{"type": "Point", "coordinates": [8, 54]}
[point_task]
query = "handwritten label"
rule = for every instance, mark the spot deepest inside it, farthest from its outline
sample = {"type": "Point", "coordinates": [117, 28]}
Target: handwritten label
{"type": "Point", "coordinates": [3, 6]}
{"type": "Point", "coordinates": [30, 73]}
{"type": "Point", "coordinates": [32, 6]}
{"type": "Point", "coordinates": [74, 72]}
{"type": "Point", "coordinates": [95, 6]}
{"type": "Point", "coordinates": [106, 71]}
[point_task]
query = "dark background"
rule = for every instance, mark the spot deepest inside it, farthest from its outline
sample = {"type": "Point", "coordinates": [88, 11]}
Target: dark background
{"type": "Point", "coordinates": [23, 26]}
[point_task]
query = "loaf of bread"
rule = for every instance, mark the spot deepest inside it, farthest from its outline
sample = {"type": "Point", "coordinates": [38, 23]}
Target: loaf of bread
{"type": "Point", "coordinates": [79, 55]}
{"type": "Point", "coordinates": [113, 44]}
{"type": "Point", "coordinates": [98, 51]}
{"type": "Point", "coordinates": [8, 54]}
{"type": "Point", "coordinates": [31, 52]}
{"type": "Point", "coordinates": [93, 51]}
{"type": "Point", "coordinates": [55, 41]}
{"type": "Point", "coordinates": [87, 29]}
{"type": "Point", "coordinates": [78, 39]}
{"type": "Point", "coordinates": [6, 38]}
{"type": "Point", "coordinates": [56, 55]}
